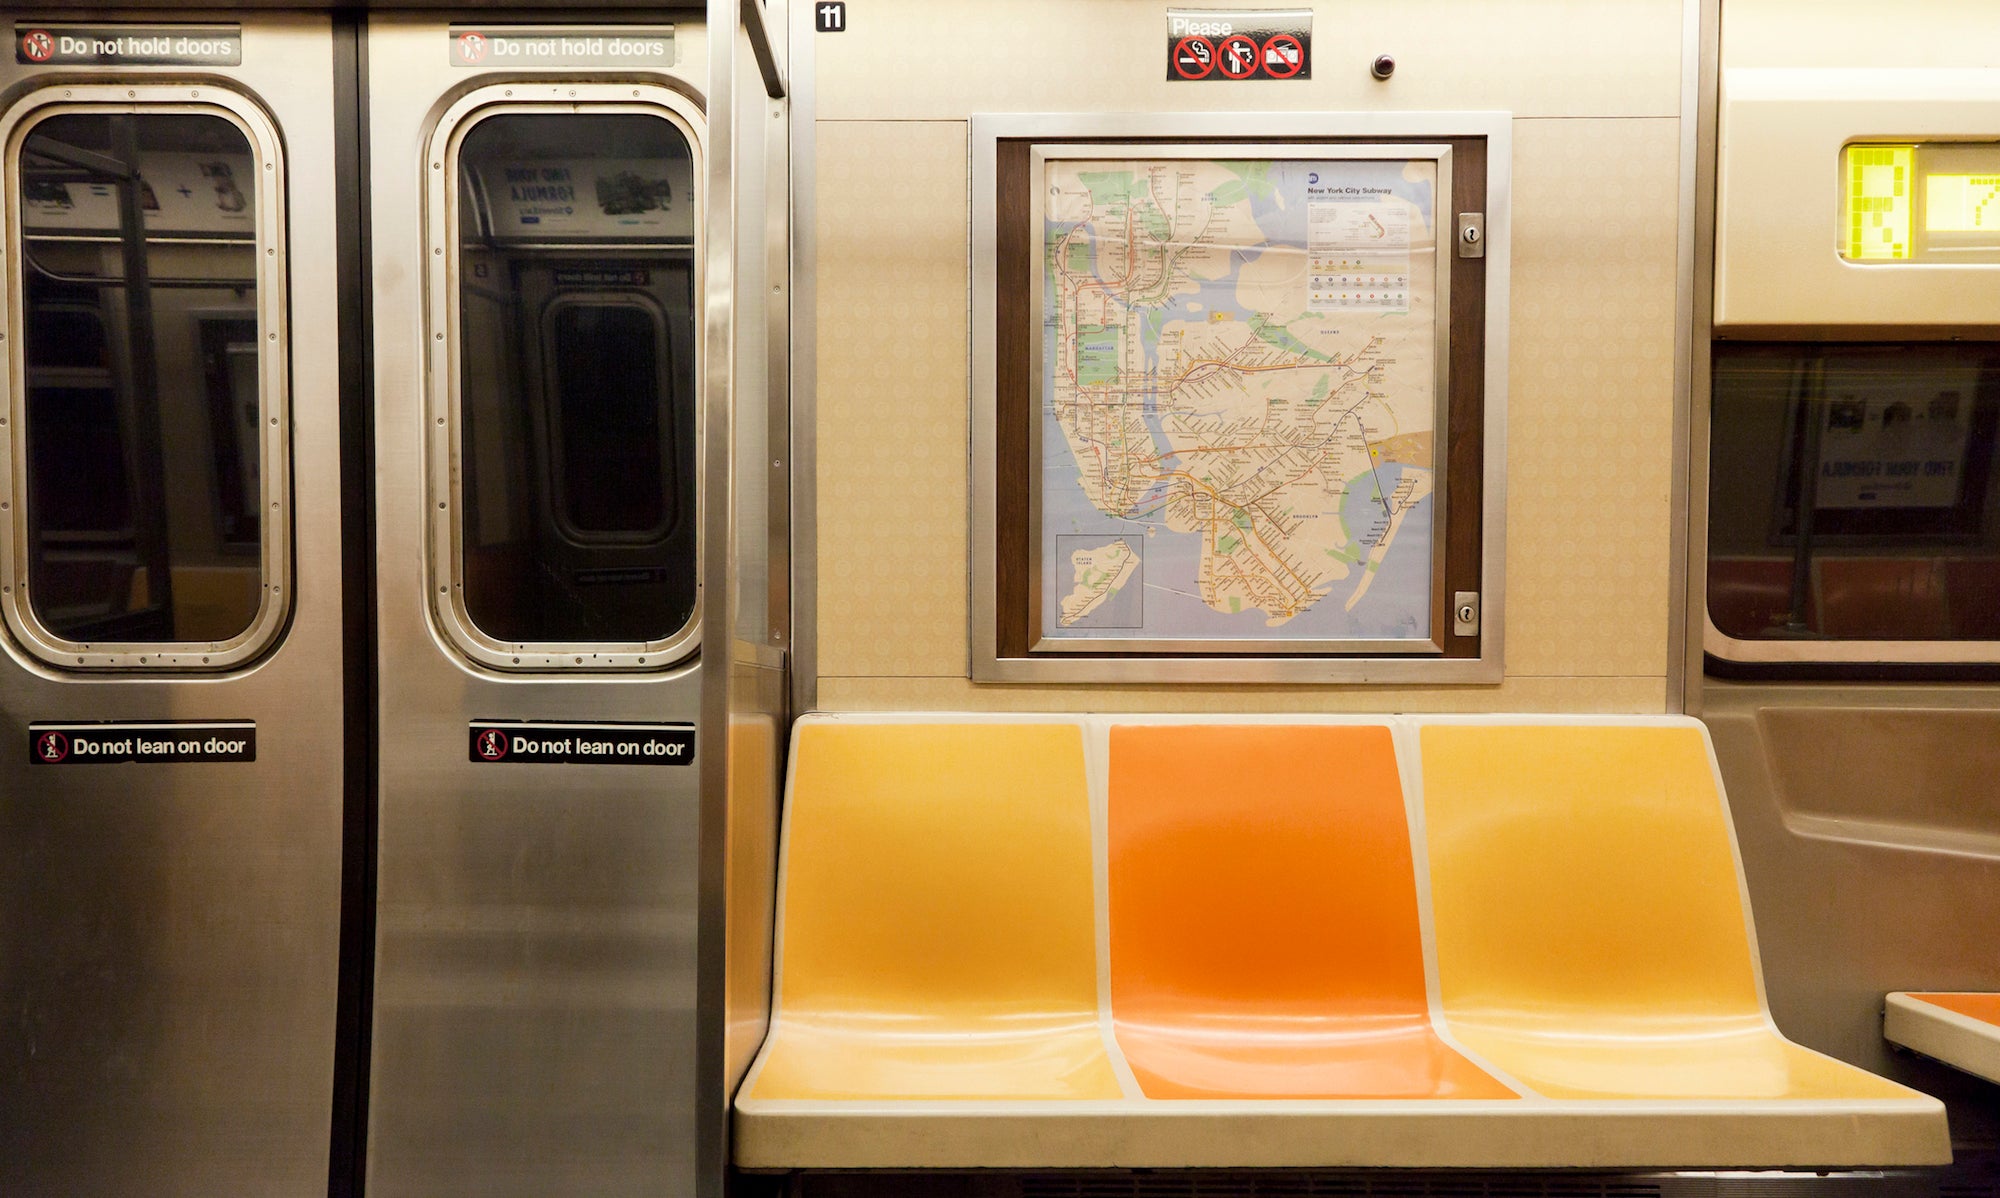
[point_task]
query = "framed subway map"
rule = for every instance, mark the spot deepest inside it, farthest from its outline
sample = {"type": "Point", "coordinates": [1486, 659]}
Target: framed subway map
{"type": "Point", "coordinates": [1225, 426]}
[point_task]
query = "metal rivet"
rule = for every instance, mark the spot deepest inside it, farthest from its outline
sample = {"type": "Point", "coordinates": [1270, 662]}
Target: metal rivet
{"type": "Point", "coordinates": [444, 590]}
{"type": "Point", "coordinates": [579, 660]}
{"type": "Point", "coordinates": [440, 420]}
{"type": "Point", "coordinates": [271, 252]}
{"type": "Point", "coordinates": [440, 336]}
{"type": "Point", "coordinates": [437, 166]}
{"type": "Point", "coordinates": [272, 337]}
{"type": "Point", "coordinates": [517, 661]}
{"type": "Point", "coordinates": [642, 661]}
{"type": "Point", "coordinates": [440, 504]}
{"type": "Point", "coordinates": [438, 251]}
{"type": "Point", "coordinates": [274, 420]}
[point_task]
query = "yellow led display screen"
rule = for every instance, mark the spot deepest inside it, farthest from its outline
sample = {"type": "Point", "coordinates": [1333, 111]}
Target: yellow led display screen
{"type": "Point", "coordinates": [1962, 203]}
{"type": "Point", "coordinates": [1879, 180]}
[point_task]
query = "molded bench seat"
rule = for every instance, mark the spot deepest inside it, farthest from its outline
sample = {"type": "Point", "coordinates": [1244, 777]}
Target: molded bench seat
{"type": "Point", "coordinates": [1960, 1029]}
{"type": "Point", "coordinates": [1074, 942]}
{"type": "Point", "coordinates": [1264, 932]}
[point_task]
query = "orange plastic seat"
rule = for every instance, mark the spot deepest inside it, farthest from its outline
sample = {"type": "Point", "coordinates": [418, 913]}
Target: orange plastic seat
{"type": "Point", "coordinates": [937, 935]}
{"type": "Point", "coordinates": [1264, 933]}
{"type": "Point", "coordinates": [1960, 1029]}
{"type": "Point", "coordinates": [1592, 933]}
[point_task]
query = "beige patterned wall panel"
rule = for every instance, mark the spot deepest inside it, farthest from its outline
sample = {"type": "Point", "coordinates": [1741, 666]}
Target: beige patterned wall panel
{"type": "Point", "coordinates": [1589, 441]}
{"type": "Point", "coordinates": [1860, 33]}
{"type": "Point", "coordinates": [1644, 695]}
{"type": "Point", "coordinates": [1590, 396]}
{"type": "Point", "coordinates": [925, 59]}
{"type": "Point", "coordinates": [892, 398]}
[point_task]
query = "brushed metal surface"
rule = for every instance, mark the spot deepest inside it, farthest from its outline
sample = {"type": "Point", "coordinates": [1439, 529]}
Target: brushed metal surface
{"type": "Point", "coordinates": [168, 934]}
{"type": "Point", "coordinates": [534, 1008]}
{"type": "Point", "coordinates": [1869, 822]}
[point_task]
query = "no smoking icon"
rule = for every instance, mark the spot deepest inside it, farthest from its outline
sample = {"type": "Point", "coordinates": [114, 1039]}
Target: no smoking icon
{"type": "Point", "coordinates": [1194, 57]}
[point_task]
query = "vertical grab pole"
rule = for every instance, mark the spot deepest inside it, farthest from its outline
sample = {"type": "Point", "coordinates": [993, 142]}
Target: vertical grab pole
{"type": "Point", "coordinates": [718, 602]}
{"type": "Point", "coordinates": [150, 512]}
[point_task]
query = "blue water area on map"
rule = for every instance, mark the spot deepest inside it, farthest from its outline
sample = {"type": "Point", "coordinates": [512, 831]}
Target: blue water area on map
{"type": "Point", "coordinates": [1397, 603]}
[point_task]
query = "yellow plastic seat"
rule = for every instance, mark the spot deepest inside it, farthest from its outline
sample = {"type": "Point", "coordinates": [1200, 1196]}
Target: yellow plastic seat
{"type": "Point", "coordinates": [937, 934]}
{"type": "Point", "coordinates": [1592, 934]}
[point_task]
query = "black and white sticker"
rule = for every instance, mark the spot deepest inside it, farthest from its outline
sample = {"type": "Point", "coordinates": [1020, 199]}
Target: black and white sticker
{"type": "Point", "coordinates": [128, 45]}
{"type": "Point", "coordinates": [562, 45]}
{"type": "Point", "coordinates": [531, 742]}
{"type": "Point", "coordinates": [160, 742]}
{"type": "Point", "coordinates": [1238, 44]}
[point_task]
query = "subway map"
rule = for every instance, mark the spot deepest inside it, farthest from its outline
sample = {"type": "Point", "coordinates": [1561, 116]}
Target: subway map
{"type": "Point", "coordinates": [1238, 406]}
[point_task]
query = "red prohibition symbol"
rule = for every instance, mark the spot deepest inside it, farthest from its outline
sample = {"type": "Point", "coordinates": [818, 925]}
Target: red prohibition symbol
{"type": "Point", "coordinates": [1238, 55]}
{"type": "Point", "coordinates": [1283, 56]}
{"type": "Point", "coordinates": [1194, 57]}
{"type": "Point", "coordinates": [37, 45]}
{"type": "Point", "coordinates": [472, 46]}
{"type": "Point", "coordinates": [492, 744]}
{"type": "Point", "coordinates": [52, 747]}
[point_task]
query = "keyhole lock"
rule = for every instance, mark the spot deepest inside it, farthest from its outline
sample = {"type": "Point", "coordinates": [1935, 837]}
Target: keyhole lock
{"type": "Point", "coordinates": [1465, 613]}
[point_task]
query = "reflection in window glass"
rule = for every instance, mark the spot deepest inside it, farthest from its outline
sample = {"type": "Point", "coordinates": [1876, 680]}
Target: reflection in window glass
{"type": "Point", "coordinates": [576, 377]}
{"type": "Point", "coordinates": [1850, 492]}
{"type": "Point", "coordinates": [605, 388]}
{"type": "Point", "coordinates": [139, 239]}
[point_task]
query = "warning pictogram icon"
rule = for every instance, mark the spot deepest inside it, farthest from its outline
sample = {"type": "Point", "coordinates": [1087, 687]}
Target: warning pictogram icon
{"type": "Point", "coordinates": [492, 744]}
{"type": "Point", "coordinates": [1283, 56]}
{"type": "Point", "coordinates": [52, 747]}
{"type": "Point", "coordinates": [1237, 55]}
{"type": "Point", "coordinates": [471, 47]}
{"type": "Point", "coordinates": [1194, 57]}
{"type": "Point", "coordinates": [37, 45]}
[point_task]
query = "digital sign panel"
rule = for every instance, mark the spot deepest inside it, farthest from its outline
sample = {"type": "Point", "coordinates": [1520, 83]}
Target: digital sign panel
{"type": "Point", "coordinates": [1923, 202]}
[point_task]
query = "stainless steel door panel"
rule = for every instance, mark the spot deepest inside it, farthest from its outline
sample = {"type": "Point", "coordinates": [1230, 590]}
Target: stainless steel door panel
{"type": "Point", "coordinates": [533, 1028]}
{"type": "Point", "coordinates": [169, 933]}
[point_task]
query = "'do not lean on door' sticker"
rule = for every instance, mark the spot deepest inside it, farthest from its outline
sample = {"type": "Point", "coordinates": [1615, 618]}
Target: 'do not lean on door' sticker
{"type": "Point", "coordinates": [147, 742]}
{"type": "Point", "coordinates": [534, 742]}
